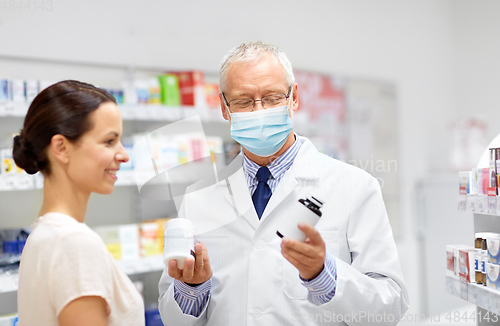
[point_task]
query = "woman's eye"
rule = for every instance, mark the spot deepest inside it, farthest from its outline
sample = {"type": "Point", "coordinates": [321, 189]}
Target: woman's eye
{"type": "Point", "coordinates": [110, 142]}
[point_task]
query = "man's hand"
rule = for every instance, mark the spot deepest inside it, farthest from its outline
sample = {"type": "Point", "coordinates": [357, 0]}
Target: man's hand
{"type": "Point", "coordinates": [196, 270]}
{"type": "Point", "coordinates": [309, 256]}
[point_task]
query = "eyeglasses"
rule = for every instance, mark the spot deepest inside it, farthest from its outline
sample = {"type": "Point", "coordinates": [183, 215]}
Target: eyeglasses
{"type": "Point", "coordinates": [268, 102]}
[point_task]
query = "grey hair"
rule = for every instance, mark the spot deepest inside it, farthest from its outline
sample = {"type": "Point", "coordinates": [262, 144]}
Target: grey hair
{"type": "Point", "coordinates": [251, 51]}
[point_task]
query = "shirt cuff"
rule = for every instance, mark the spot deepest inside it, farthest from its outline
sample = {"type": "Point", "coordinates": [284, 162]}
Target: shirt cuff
{"type": "Point", "coordinates": [192, 299]}
{"type": "Point", "coordinates": [323, 285]}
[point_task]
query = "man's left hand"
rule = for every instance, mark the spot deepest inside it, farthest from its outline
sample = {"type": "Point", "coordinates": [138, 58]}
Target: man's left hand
{"type": "Point", "coordinates": [309, 256]}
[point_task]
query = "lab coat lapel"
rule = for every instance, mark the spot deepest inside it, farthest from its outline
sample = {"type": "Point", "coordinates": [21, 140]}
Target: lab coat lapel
{"type": "Point", "coordinates": [298, 174]}
{"type": "Point", "coordinates": [238, 195]}
{"type": "Point", "coordinates": [285, 187]}
{"type": "Point", "coordinates": [304, 165]}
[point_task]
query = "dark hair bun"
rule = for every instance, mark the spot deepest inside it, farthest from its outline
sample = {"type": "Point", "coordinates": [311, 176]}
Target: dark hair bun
{"type": "Point", "coordinates": [23, 156]}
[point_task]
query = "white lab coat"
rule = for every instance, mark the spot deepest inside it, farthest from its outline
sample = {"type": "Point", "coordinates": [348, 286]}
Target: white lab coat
{"type": "Point", "coordinates": [254, 285]}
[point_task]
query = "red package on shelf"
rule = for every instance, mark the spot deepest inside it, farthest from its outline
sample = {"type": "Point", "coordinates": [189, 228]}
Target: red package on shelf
{"type": "Point", "coordinates": [467, 271]}
{"type": "Point", "coordinates": [212, 95]}
{"type": "Point", "coordinates": [191, 87]}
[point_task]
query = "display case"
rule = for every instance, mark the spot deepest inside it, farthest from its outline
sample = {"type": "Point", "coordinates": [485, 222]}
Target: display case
{"type": "Point", "coordinates": [486, 215]}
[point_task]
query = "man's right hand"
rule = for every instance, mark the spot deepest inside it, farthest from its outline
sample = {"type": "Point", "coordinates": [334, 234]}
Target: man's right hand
{"type": "Point", "coordinates": [196, 270]}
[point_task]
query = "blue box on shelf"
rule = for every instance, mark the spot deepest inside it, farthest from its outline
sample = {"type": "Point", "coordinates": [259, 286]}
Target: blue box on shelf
{"type": "Point", "coordinates": [13, 247]}
{"type": "Point", "coordinates": [20, 245]}
{"type": "Point", "coordinates": [10, 247]}
{"type": "Point", "coordinates": [153, 316]}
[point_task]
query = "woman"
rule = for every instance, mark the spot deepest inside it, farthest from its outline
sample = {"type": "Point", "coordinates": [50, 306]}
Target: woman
{"type": "Point", "coordinates": [71, 134]}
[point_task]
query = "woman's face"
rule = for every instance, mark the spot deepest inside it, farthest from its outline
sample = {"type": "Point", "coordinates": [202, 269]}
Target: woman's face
{"type": "Point", "coordinates": [96, 156]}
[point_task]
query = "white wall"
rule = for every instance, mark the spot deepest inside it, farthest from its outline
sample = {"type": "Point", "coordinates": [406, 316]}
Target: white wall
{"type": "Point", "coordinates": [424, 47]}
{"type": "Point", "coordinates": [477, 73]}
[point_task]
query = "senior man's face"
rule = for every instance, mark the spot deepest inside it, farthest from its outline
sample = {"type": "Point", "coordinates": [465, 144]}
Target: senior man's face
{"type": "Point", "coordinates": [254, 80]}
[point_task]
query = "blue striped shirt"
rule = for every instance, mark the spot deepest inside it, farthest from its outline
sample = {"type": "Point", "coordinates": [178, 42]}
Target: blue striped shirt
{"type": "Point", "coordinates": [278, 167]}
{"type": "Point", "coordinates": [322, 287]}
{"type": "Point", "coordinates": [192, 300]}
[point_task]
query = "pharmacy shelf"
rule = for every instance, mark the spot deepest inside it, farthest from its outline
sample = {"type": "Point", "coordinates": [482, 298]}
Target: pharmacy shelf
{"type": "Point", "coordinates": [142, 265]}
{"type": "Point", "coordinates": [480, 204]}
{"type": "Point", "coordinates": [134, 112]}
{"type": "Point", "coordinates": [12, 109]}
{"type": "Point", "coordinates": [9, 282]}
{"type": "Point", "coordinates": [24, 181]}
{"type": "Point", "coordinates": [169, 113]}
{"type": "Point", "coordinates": [482, 296]}
{"type": "Point", "coordinates": [21, 181]}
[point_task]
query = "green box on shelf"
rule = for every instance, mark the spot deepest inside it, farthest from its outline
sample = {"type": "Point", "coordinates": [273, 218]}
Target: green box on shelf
{"type": "Point", "coordinates": [170, 94]}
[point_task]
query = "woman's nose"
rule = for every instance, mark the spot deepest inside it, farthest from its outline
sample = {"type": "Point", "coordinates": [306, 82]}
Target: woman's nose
{"type": "Point", "coordinates": [122, 155]}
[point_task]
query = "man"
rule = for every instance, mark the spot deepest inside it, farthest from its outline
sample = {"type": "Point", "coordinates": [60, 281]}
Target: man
{"type": "Point", "coordinates": [346, 272]}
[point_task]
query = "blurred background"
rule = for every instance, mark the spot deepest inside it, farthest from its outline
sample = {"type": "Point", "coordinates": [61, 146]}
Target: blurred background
{"type": "Point", "coordinates": [416, 84]}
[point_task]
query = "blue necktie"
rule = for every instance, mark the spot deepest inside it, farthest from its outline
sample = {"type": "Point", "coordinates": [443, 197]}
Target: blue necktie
{"type": "Point", "coordinates": [262, 194]}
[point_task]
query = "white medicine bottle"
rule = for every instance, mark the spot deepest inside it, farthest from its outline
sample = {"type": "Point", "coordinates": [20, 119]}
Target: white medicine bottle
{"type": "Point", "coordinates": [306, 210]}
{"type": "Point", "coordinates": [179, 241]}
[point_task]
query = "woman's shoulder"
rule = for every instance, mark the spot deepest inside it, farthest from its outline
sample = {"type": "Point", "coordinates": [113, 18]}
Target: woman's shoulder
{"type": "Point", "coordinates": [66, 231]}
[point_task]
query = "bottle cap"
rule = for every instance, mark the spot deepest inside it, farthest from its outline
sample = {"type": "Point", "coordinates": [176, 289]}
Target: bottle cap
{"type": "Point", "coordinates": [316, 200]}
{"type": "Point", "coordinates": [493, 236]}
{"type": "Point", "coordinates": [483, 235]}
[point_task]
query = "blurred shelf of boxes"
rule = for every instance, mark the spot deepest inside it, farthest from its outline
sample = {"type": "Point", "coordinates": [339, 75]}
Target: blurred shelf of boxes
{"type": "Point", "coordinates": [473, 269]}
{"type": "Point", "coordinates": [481, 296]}
{"type": "Point", "coordinates": [137, 248]}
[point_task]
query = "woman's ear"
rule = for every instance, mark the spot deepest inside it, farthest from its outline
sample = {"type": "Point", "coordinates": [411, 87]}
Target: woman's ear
{"type": "Point", "coordinates": [59, 148]}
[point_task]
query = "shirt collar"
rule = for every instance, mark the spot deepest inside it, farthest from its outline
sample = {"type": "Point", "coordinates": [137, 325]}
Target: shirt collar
{"type": "Point", "coordinates": [277, 167]}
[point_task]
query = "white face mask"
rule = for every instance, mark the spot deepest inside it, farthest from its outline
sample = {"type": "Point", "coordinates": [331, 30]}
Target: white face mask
{"type": "Point", "coordinates": [263, 132]}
